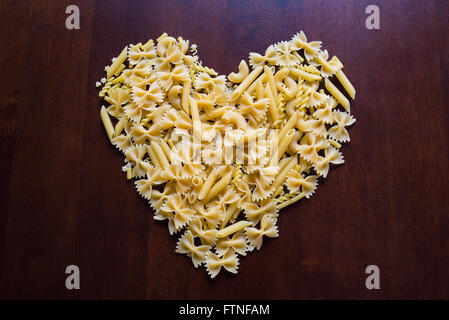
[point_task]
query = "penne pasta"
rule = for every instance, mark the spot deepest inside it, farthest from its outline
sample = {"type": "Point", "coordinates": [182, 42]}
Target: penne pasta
{"type": "Point", "coordinates": [271, 82]}
{"type": "Point", "coordinates": [272, 103]}
{"type": "Point", "coordinates": [107, 123]}
{"type": "Point", "coordinates": [117, 80]}
{"type": "Point", "coordinates": [154, 158]}
{"type": "Point", "coordinates": [245, 83]}
{"type": "Point", "coordinates": [166, 148]}
{"type": "Point", "coordinates": [129, 174]}
{"type": "Point", "coordinates": [259, 90]}
{"type": "Point", "coordinates": [261, 79]}
{"type": "Point", "coordinates": [304, 75]}
{"type": "Point", "coordinates": [186, 96]}
{"type": "Point", "coordinates": [278, 191]}
{"type": "Point", "coordinates": [160, 155]}
{"type": "Point", "coordinates": [116, 63]}
{"type": "Point", "coordinates": [195, 118]}
{"type": "Point", "coordinates": [208, 184]}
{"type": "Point", "coordinates": [345, 83]}
{"type": "Point", "coordinates": [283, 145]}
{"type": "Point", "coordinates": [334, 143]}
{"type": "Point", "coordinates": [290, 201]}
{"type": "Point", "coordinates": [280, 149]}
{"type": "Point", "coordinates": [119, 70]}
{"type": "Point", "coordinates": [337, 94]}
{"type": "Point", "coordinates": [119, 126]}
{"type": "Point", "coordinates": [233, 228]}
{"type": "Point", "coordinates": [229, 214]}
{"type": "Point", "coordinates": [219, 186]}
{"type": "Point", "coordinates": [280, 178]}
{"type": "Point", "coordinates": [219, 112]}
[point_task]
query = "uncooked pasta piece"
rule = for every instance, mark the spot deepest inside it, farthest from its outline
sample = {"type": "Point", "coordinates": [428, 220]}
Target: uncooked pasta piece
{"type": "Point", "coordinates": [117, 62]}
{"type": "Point", "coordinates": [346, 83]}
{"type": "Point", "coordinates": [337, 94]}
{"type": "Point", "coordinates": [233, 228]}
{"type": "Point", "coordinates": [241, 75]}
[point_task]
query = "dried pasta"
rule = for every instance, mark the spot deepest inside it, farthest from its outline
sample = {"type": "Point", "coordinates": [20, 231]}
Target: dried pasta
{"type": "Point", "coordinates": [218, 159]}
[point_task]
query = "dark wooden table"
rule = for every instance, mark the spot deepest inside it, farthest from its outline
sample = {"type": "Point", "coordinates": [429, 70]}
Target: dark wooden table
{"type": "Point", "coordinates": [64, 200]}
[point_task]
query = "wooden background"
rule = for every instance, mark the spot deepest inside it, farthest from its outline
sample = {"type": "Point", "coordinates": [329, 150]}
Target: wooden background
{"type": "Point", "coordinates": [64, 200]}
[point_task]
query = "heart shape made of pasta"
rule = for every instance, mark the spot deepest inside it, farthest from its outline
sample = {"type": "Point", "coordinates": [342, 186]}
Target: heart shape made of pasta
{"type": "Point", "coordinates": [219, 157]}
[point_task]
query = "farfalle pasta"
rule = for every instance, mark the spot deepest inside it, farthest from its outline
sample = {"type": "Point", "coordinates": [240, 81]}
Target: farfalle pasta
{"type": "Point", "coordinates": [217, 157]}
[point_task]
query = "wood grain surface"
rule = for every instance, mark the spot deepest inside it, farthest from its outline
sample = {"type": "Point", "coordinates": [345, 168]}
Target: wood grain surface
{"type": "Point", "coordinates": [64, 200]}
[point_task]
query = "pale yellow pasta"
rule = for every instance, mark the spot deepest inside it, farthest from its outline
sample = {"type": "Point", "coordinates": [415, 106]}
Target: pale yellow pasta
{"type": "Point", "coordinates": [246, 82]}
{"type": "Point", "coordinates": [107, 123]}
{"type": "Point", "coordinates": [304, 75]}
{"type": "Point", "coordinates": [129, 173]}
{"type": "Point", "coordinates": [330, 67]}
{"type": "Point", "coordinates": [237, 242]}
{"type": "Point", "coordinates": [282, 140]}
{"type": "Point", "coordinates": [117, 80]}
{"type": "Point", "coordinates": [195, 117]}
{"type": "Point", "coordinates": [235, 118]}
{"type": "Point", "coordinates": [288, 126]}
{"type": "Point", "coordinates": [283, 163]}
{"type": "Point", "coordinates": [252, 135]}
{"type": "Point", "coordinates": [229, 261]}
{"type": "Point", "coordinates": [166, 148]}
{"type": "Point", "coordinates": [160, 154]}
{"type": "Point", "coordinates": [186, 245]}
{"type": "Point", "coordinates": [241, 75]}
{"type": "Point", "coordinates": [219, 186]}
{"type": "Point", "coordinates": [217, 159]}
{"type": "Point", "coordinates": [185, 101]}
{"type": "Point", "coordinates": [208, 184]}
{"type": "Point", "coordinates": [147, 44]}
{"type": "Point", "coordinates": [229, 214]}
{"type": "Point", "coordinates": [280, 178]}
{"type": "Point", "coordinates": [334, 143]}
{"type": "Point", "coordinates": [259, 89]}
{"type": "Point", "coordinates": [112, 69]}
{"type": "Point", "coordinates": [290, 201]}
{"type": "Point", "coordinates": [279, 77]}
{"type": "Point", "coordinates": [119, 70]}
{"type": "Point", "coordinates": [278, 191]}
{"type": "Point", "coordinates": [268, 228]}
{"type": "Point", "coordinates": [197, 183]}
{"type": "Point", "coordinates": [219, 112]}
{"type": "Point", "coordinates": [254, 212]}
{"type": "Point", "coordinates": [119, 126]}
{"type": "Point", "coordinates": [272, 106]}
{"type": "Point", "coordinates": [233, 228]}
{"type": "Point", "coordinates": [345, 83]}
{"type": "Point", "coordinates": [108, 99]}
{"type": "Point", "coordinates": [173, 96]}
{"type": "Point", "coordinates": [270, 80]}
{"type": "Point", "coordinates": [283, 145]}
{"type": "Point", "coordinates": [337, 94]}
{"type": "Point", "coordinates": [153, 157]}
{"type": "Point", "coordinates": [261, 79]}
